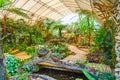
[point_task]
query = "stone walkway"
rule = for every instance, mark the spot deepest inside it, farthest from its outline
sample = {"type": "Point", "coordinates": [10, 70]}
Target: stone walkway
{"type": "Point", "coordinates": [79, 54]}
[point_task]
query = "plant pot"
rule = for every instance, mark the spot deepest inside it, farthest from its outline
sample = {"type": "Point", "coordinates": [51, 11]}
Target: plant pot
{"type": "Point", "coordinates": [43, 52]}
{"type": "Point", "coordinates": [40, 54]}
{"type": "Point", "coordinates": [56, 59]}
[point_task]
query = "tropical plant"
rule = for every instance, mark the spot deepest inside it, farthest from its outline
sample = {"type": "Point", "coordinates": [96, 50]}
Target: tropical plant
{"type": "Point", "coordinates": [57, 25]}
{"type": "Point", "coordinates": [48, 23]}
{"type": "Point", "coordinates": [17, 11]}
{"type": "Point", "coordinates": [106, 76]}
{"type": "Point", "coordinates": [22, 47]}
{"type": "Point", "coordinates": [30, 50]}
{"type": "Point", "coordinates": [56, 54]}
{"type": "Point", "coordinates": [103, 40]}
{"type": "Point", "coordinates": [12, 64]}
{"type": "Point", "coordinates": [3, 71]}
{"type": "Point", "coordinates": [87, 74]}
{"type": "Point", "coordinates": [27, 68]}
{"type": "Point", "coordinates": [86, 24]}
{"type": "Point", "coordinates": [77, 61]}
{"type": "Point", "coordinates": [23, 76]}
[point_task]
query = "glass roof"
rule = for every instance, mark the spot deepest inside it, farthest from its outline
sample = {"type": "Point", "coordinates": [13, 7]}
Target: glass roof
{"type": "Point", "coordinates": [54, 9]}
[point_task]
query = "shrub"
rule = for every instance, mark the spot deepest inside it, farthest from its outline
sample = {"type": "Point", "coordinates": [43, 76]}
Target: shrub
{"type": "Point", "coordinates": [12, 64]}
{"type": "Point", "coordinates": [106, 76]}
{"type": "Point", "coordinates": [5, 47]}
{"type": "Point", "coordinates": [30, 50]}
{"type": "Point", "coordinates": [56, 54]}
{"type": "Point", "coordinates": [103, 40]}
{"type": "Point", "coordinates": [22, 47]}
{"type": "Point", "coordinates": [23, 76]}
{"type": "Point", "coordinates": [27, 68]}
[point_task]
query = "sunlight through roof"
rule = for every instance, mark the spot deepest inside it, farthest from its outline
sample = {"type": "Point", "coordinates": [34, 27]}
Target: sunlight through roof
{"type": "Point", "coordinates": [68, 19]}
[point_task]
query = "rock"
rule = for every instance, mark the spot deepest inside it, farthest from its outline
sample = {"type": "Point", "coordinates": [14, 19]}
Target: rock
{"type": "Point", "coordinates": [116, 74]}
{"type": "Point", "coordinates": [13, 77]}
{"type": "Point", "coordinates": [39, 77]}
{"type": "Point", "coordinates": [118, 59]}
{"type": "Point", "coordinates": [118, 48]}
{"type": "Point", "coordinates": [117, 65]}
{"type": "Point", "coordinates": [118, 54]}
{"type": "Point", "coordinates": [45, 77]}
{"type": "Point", "coordinates": [117, 69]}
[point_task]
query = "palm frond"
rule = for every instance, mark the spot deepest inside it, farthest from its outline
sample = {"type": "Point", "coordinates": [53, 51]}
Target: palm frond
{"type": "Point", "coordinates": [18, 11]}
{"type": "Point", "coordinates": [87, 12]}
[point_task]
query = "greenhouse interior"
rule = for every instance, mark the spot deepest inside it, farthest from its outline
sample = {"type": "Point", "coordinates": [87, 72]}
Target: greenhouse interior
{"type": "Point", "coordinates": [59, 39]}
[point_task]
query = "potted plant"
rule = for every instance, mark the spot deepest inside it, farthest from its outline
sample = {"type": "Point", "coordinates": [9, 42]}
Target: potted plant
{"type": "Point", "coordinates": [55, 56]}
{"type": "Point", "coordinates": [42, 51]}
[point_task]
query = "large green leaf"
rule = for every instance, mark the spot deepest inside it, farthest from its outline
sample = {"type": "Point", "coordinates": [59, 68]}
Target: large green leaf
{"type": "Point", "coordinates": [87, 75]}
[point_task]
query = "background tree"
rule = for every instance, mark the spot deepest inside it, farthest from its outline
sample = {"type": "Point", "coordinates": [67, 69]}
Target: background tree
{"type": "Point", "coordinates": [86, 23]}
{"type": "Point", "coordinates": [57, 25]}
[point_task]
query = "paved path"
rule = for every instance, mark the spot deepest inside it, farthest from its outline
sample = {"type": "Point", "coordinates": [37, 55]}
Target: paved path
{"type": "Point", "coordinates": [22, 55]}
{"type": "Point", "coordinates": [79, 54]}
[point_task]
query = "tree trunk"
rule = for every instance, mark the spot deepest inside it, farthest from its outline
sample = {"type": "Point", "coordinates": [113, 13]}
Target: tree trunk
{"type": "Point", "coordinates": [60, 32]}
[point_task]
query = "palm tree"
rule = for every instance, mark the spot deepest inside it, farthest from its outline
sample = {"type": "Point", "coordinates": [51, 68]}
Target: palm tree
{"type": "Point", "coordinates": [57, 25]}
{"type": "Point", "coordinates": [3, 3]}
{"type": "Point", "coordinates": [88, 22]}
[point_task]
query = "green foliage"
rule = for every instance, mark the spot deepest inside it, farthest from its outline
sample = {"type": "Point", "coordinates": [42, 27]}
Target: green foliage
{"type": "Point", "coordinates": [85, 27]}
{"type": "Point", "coordinates": [99, 36]}
{"type": "Point", "coordinates": [87, 75]}
{"type": "Point", "coordinates": [22, 47]}
{"type": "Point", "coordinates": [106, 76]}
{"type": "Point", "coordinates": [27, 68]}
{"type": "Point", "coordinates": [23, 76]}
{"type": "Point", "coordinates": [12, 64]}
{"type": "Point", "coordinates": [20, 31]}
{"type": "Point", "coordinates": [66, 54]}
{"type": "Point", "coordinates": [5, 47]}
{"type": "Point", "coordinates": [48, 23]}
{"type": "Point", "coordinates": [56, 54]}
{"type": "Point", "coordinates": [103, 41]}
{"type": "Point", "coordinates": [30, 50]}
{"type": "Point", "coordinates": [77, 61]}
{"type": "Point", "coordinates": [54, 26]}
